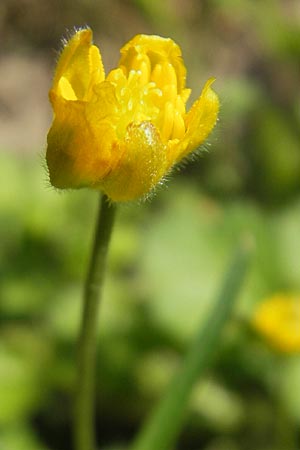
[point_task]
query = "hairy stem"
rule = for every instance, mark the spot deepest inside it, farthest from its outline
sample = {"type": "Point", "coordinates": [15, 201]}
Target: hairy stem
{"type": "Point", "coordinates": [84, 433]}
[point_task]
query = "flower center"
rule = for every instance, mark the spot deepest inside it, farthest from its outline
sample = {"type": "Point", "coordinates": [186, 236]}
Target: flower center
{"type": "Point", "coordinates": [150, 94]}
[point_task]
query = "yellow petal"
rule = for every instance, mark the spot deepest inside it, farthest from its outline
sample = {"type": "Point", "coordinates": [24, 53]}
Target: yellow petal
{"type": "Point", "coordinates": [80, 65]}
{"type": "Point", "coordinates": [158, 50]}
{"type": "Point", "coordinates": [81, 140]}
{"type": "Point", "coordinates": [278, 319]}
{"type": "Point", "coordinates": [65, 89]}
{"type": "Point", "coordinates": [199, 122]}
{"type": "Point", "coordinates": [142, 166]}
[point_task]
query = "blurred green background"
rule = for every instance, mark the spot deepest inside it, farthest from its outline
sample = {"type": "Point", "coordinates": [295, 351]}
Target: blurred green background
{"type": "Point", "coordinates": [168, 255]}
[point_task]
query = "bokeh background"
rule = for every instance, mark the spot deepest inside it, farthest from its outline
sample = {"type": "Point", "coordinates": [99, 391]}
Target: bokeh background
{"type": "Point", "coordinates": [168, 255]}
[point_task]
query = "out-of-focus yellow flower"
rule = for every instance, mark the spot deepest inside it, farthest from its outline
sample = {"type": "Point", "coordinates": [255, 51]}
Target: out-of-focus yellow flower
{"type": "Point", "coordinates": [278, 320]}
{"type": "Point", "coordinates": [122, 133]}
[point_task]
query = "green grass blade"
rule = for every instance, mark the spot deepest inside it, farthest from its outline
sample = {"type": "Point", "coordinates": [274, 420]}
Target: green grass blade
{"type": "Point", "coordinates": [162, 429]}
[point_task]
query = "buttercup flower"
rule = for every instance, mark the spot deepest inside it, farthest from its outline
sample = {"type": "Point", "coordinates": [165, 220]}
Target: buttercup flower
{"type": "Point", "coordinates": [278, 320]}
{"type": "Point", "coordinates": [122, 133]}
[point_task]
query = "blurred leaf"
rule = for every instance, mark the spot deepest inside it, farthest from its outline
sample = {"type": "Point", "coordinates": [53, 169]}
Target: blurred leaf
{"type": "Point", "coordinates": [290, 387]}
{"type": "Point", "coordinates": [19, 437]}
{"type": "Point", "coordinates": [165, 423]}
{"type": "Point", "coordinates": [223, 444]}
{"type": "Point", "coordinates": [275, 149]}
{"type": "Point", "coordinates": [222, 409]}
{"type": "Point", "coordinates": [23, 384]}
{"type": "Point", "coordinates": [185, 250]}
{"type": "Point", "coordinates": [286, 226]}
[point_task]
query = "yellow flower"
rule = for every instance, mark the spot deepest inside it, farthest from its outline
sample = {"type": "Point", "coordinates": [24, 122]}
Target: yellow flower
{"type": "Point", "coordinates": [278, 320]}
{"type": "Point", "coordinates": [122, 133]}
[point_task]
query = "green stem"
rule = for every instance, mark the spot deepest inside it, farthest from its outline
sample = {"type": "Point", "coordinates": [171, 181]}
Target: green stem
{"type": "Point", "coordinates": [84, 434]}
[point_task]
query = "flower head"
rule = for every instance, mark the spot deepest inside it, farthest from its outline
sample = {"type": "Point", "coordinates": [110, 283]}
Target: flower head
{"type": "Point", "coordinates": [122, 133]}
{"type": "Point", "coordinates": [278, 320]}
